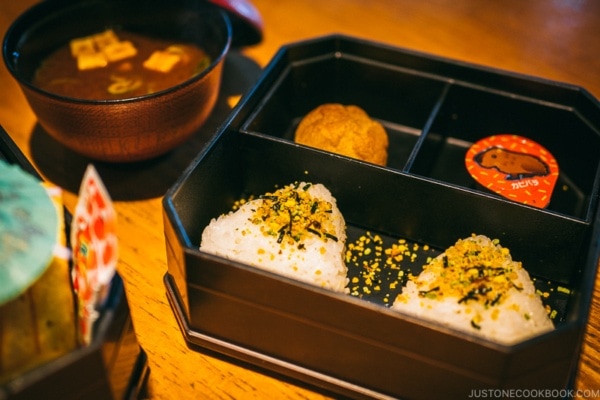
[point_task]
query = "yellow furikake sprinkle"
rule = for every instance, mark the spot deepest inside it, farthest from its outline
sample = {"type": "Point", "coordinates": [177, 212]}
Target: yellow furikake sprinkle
{"type": "Point", "coordinates": [472, 271]}
{"type": "Point", "coordinates": [238, 203]}
{"type": "Point", "coordinates": [291, 214]}
{"type": "Point", "coordinates": [381, 265]}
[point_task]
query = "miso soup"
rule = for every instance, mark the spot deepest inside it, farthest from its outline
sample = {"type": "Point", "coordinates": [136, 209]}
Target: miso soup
{"type": "Point", "coordinates": [108, 65]}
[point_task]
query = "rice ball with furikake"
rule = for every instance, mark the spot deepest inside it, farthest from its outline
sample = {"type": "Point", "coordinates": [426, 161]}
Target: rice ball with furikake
{"type": "Point", "coordinates": [475, 286]}
{"type": "Point", "coordinates": [296, 231]}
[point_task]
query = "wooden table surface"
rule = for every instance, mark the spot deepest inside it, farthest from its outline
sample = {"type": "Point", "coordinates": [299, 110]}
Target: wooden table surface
{"type": "Point", "coordinates": [559, 40]}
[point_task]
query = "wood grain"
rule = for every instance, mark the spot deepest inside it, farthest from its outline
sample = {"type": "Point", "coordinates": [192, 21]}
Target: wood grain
{"type": "Point", "coordinates": [558, 40]}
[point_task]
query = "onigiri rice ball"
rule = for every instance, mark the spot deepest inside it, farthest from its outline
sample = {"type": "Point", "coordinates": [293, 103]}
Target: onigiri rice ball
{"type": "Point", "coordinates": [476, 287]}
{"type": "Point", "coordinates": [296, 231]}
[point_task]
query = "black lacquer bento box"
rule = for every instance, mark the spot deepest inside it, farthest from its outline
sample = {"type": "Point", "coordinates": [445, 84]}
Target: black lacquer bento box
{"type": "Point", "coordinates": [113, 366]}
{"type": "Point", "coordinates": [433, 109]}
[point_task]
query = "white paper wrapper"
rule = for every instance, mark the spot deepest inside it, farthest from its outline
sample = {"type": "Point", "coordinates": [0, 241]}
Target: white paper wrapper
{"type": "Point", "coordinates": [95, 247]}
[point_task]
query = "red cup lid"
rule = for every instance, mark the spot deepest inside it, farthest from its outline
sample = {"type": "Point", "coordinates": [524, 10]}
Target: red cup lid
{"type": "Point", "coordinates": [246, 21]}
{"type": "Point", "coordinates": [514, 167]}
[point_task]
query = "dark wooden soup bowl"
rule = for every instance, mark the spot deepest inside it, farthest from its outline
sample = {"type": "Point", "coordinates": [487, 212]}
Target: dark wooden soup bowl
{"type": "Point", "coordinates": [131, 129]}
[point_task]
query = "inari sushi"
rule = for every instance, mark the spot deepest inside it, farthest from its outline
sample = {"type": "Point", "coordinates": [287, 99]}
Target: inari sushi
{"type": "Point", "coordinates": [476, 287]}
{"type": "Point", "coordinates": [296, 231]}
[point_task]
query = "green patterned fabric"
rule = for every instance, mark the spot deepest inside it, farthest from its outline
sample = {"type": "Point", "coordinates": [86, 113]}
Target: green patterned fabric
{"type": "Point", "coordinates": [28, 231]}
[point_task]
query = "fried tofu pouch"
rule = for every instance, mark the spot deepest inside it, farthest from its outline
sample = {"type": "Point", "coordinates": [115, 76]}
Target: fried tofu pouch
{"type": "Point", "coordinates": [344, 129]}
{"type": "Point", "coordinates": [39, 325]}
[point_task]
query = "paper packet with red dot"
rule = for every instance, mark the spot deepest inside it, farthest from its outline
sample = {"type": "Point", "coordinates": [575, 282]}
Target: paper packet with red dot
{"type": "Point", "coordinates": [94, 245]}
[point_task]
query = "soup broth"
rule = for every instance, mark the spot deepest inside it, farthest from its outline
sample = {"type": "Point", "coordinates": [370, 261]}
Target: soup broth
{"type": "Point", "coordinates": [137, 66]}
